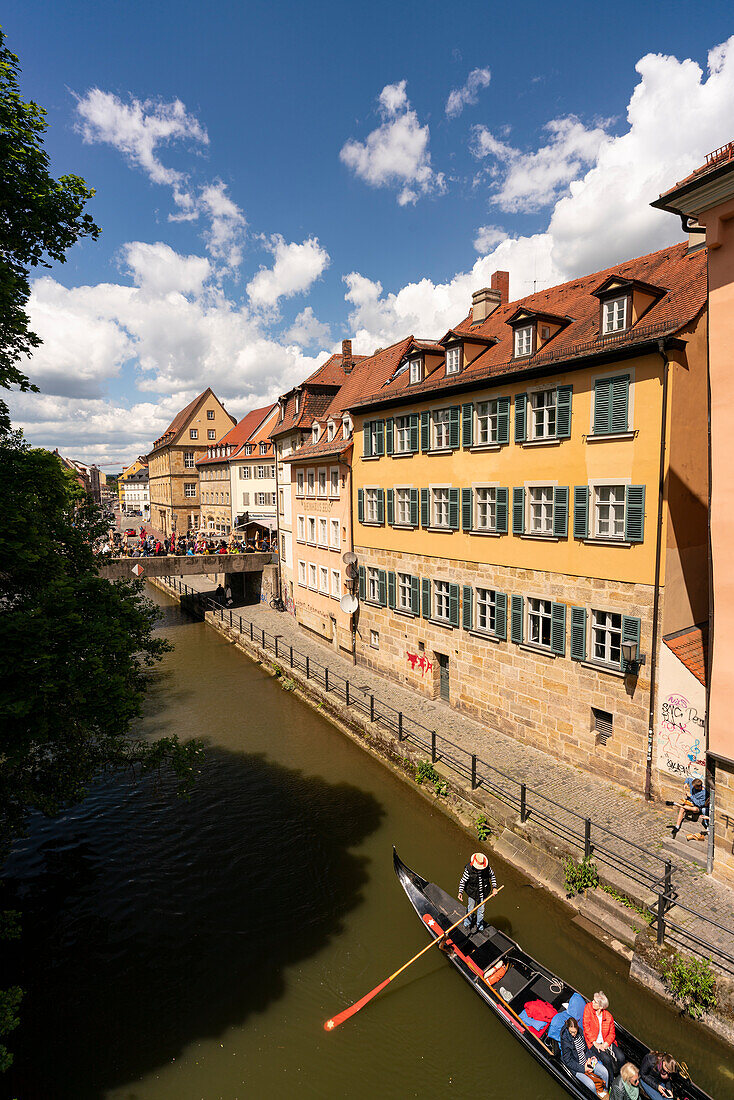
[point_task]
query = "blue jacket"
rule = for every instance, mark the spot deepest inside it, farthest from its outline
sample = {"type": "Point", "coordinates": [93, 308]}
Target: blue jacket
{"type": "Point", "coordinates": [698, 798]}
{"type": "Point", "coordinates": [569, 1054]}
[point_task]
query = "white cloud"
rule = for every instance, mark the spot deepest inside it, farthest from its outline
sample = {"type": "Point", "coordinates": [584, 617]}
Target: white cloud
{"type": "Point", "coordinates": [296, 267]}
{"type": "Point", "coordinates": [160, 270]}
{"type": "Point", "coordinates": [468, 94]}
{"type": "Point", "coordinates": [532, 180]}
{"type": "Point", "coordinates": [488, 237]}
{"type": "Point", "coordinates": [227, 224]}
{"type": "Point", "coordinates": [307, 330]}
{"type": "Point", "coordinates": [396, 153]}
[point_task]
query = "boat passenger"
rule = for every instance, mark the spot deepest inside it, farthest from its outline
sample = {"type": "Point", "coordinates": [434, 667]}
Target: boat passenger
{"type": "Point", "coordinates": [581, 1061]}
{"type": "Point", "coordinates": [627, 1085]}
{"type": "Point", "coordinates": [656, 1074]}
{"type": "Point", "coordinates": [600, 1034]}
{"type": "Point", "coordinates": [480, 884]}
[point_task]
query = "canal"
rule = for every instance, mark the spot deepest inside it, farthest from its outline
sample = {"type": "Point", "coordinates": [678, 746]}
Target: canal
{"type": "Point", "coordinates": [191, 950]}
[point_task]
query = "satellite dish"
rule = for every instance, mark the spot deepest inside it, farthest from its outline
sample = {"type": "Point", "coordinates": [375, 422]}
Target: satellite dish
{"type": "Point", "coordinates": [349, 604]}
{"type": "Point", "coordinates": [349, 558]}
{"type": "Point", "coordinates": [352, 571]}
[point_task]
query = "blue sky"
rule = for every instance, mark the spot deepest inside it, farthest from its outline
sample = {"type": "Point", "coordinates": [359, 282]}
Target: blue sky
{"type": "Point", "coordinates": [274, 177]}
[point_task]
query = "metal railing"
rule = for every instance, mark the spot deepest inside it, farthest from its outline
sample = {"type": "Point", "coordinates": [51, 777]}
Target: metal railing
{"type": "Point", "coordinates": [639, 865]}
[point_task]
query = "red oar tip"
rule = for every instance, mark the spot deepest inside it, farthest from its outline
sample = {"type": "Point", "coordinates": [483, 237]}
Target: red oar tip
{"type": "Point", "coordinates": [329, 1025]}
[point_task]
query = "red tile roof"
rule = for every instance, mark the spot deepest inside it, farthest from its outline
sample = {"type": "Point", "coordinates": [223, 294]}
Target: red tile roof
{"type": "Point", "coordinates": [720, 157]}
{"type": "Point", "coordinates": [681, 274]}
{"type": "Point", "coordinates": [691, 647]}
{"type": "Point", "coordinates": [238, 435]}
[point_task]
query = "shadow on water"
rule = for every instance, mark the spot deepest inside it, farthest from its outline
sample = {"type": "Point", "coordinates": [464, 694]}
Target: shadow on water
{"type": "Point", "coordinates": [177, 923]}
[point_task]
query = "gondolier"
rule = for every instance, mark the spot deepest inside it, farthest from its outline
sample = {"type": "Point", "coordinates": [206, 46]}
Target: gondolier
{"type": "Point", "coordinates": [479, 883]}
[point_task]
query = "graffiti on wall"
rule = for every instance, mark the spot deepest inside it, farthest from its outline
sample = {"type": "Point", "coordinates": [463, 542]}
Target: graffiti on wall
{"type": "Point", "coordinates": [419, 660]}
{"type": "Point", "coordinates": [681, 739]}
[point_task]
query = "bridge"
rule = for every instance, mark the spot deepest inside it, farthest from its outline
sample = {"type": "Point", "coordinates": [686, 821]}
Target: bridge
{"type": "Point", "coordinates": [248, 575]}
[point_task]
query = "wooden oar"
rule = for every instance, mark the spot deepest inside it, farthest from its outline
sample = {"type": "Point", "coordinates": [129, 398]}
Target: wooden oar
{"type": "Point", "coordinates": [353, 1009]}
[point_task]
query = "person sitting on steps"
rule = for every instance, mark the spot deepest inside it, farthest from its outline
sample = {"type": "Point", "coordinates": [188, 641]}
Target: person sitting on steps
{"type": "Point", "coordinates": [480, 884]}
{"type": "Point", "coordinates": [694, 802]}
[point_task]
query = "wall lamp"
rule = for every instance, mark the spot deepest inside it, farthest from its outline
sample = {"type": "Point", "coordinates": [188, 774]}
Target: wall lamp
{"type": "Point", "coordinates": [632, 659]}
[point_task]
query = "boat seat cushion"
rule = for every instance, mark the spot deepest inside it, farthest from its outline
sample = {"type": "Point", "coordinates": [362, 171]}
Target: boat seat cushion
{"type": "Point", "coordinates": [538, 1027]}
{"type": "Point", "coordinates": [576, 1006]}
{"type": "Point", "coordinates": [556, 1024]}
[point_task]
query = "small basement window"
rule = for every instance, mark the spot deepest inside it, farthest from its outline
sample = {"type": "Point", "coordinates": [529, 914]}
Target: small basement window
{"type": "Point", "coordinates": [603, 725]}
{"type": "Point", "coordinates": [374, 639]}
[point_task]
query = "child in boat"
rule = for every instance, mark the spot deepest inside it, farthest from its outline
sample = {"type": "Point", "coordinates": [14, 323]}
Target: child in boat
{"type": "Point", "coordinates": [581, 1061]}
{"type": "Point", "coordinates": [656, 1074]}
{"type": "Point", "coordinates": [627, 1085]}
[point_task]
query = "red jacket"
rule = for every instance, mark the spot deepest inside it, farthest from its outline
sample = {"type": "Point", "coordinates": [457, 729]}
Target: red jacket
{"type": "Point", "coordinates": [591, 1026]}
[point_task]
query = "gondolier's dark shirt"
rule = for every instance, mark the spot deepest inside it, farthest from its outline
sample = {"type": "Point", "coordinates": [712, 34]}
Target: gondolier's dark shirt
{"type": "Point", "coordinates": [476, 883]}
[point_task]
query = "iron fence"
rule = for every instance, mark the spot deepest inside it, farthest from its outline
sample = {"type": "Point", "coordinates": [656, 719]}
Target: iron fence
{"type": "Point", "coordinates": [641, 866]}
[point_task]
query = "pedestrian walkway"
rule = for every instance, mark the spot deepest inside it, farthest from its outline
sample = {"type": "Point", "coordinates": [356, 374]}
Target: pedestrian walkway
{"type": "Point", "coordinates": [624, 812]}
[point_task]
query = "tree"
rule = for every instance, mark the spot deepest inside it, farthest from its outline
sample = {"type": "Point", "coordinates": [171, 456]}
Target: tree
{"type": "Point", "coordinates": [40, 219]}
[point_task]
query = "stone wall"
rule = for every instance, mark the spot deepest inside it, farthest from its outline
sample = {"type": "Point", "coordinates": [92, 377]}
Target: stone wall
{"type": "Point", "coordinates": [532, 695]}
{"type": "Point", "coordinates": [724, 814]}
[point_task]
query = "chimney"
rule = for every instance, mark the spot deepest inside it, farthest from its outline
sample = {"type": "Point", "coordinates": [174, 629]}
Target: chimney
{"type": "Point", "coordinates": [347, 361]}
{"type": "Point", "coordinates": [501, 282]}
{"type": "Point", "coordinates": [483, 302]}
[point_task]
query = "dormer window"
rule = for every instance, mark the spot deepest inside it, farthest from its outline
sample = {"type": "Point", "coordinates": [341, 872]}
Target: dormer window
{"type": "Point", "coordinates": [614, 315]}
{"type": "Point", "coordinates": [263, 448]}
{"type": "Point", "coordinates": [346, 427]}
{"type": "Point", "coordinates": [416, 370]}
{"type": "Point", "coordinates": [523, 341]}
{"type": "Point", "coordinates": [453, 359]}
{"type": "Point", "coordinates": [315, 433]}
{"type": "Point", "coordinates": [330, 431]}
{"type": "Point", "coordinates": [297, 400]}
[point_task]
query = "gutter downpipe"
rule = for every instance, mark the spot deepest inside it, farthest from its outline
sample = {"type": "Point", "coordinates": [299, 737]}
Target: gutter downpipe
{"type": "Point", "coordinates": [710, 760]}
{"type": "Point", "coordinates": [658, 557]}
{"type": "Point", "coordinates": [277, 523]}
{"type": "Point", "coordinates": [348, 467]}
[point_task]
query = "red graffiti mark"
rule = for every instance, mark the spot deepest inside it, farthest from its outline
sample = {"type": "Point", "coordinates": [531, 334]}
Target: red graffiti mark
{"type": "Point", "coordinates": [421, 661]}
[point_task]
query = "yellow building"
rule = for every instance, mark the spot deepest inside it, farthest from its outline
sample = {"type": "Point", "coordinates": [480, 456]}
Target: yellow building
{"type": "Point", "coordinates": [530, 503]}
{"type": "Point", "coordinates": [133, 468]}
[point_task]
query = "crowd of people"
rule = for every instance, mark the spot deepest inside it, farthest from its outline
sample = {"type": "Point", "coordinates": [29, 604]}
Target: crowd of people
{"type": "Point", "coordinates": [145, 544]}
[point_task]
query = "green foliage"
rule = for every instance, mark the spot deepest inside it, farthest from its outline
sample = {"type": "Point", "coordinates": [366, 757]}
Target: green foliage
{"type": "Point", "coordinates": [646, 915]}
{"type": "Point", "coordinates": [578, 877]}
{"type": "Point", "coordinates": [426, 773]}
{"type": "Point", "coordinates": [691, 982]}
{"type": "Point", "coordinates": [484, 829]}
{"type": "Point", "coordinates": [40, 218]}
{"type": "Point", "coordinates": [9, 1004]}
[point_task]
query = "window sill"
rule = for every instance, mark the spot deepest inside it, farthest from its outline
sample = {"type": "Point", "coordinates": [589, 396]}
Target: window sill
{"type": "Point", "coordinates": [607, 542]}
{"type": "Point", "coordinates": [484, 635]}
{"type": "Point", "coordinates": [335, 548]}
{"type": "Point", "coordinates": [529, 648]}
{"type": "Point", "coordinates": [322, 546]}
{"type": "Point", "coordinates": [487, 446]}
{"type": "Point", "coordinates": [597, 666]}
{"type": "Point", "coordinates": [371, 523]}
{"type": "Point", "coordinates": [554, 442]}
{"type": "Point", "coordinates": [485, 534]}
{"type": "Point", "coordinates": [440, 530]}
{"type": "Point", "coordinates": [402, 454]}
{"type": "Point", "coordinates": [405, 526]}
{"type": "Point", "coordinates": [618, 436]}
{"type": "Point", "coordinates": [441, 450]}
{"type": "Point", "coordinates": [542, 538]}
{"type": "Point", "coordinates": [442, 622]}
{"type": "Point", "coordinates": [370, 458]}
{"type": "Point", "coordinates": [405, 613]}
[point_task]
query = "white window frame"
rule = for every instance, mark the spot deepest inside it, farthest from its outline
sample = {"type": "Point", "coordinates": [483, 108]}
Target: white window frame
{"type": "Point", "coordinates": [189, 460]}
{"type": "Point", "coordinates": [401, 435]}
{"type": "Point", "coordinates": [454, 359]}
{"type": "Point", "coordinates": [602, 628]}
{"type": "Point", "coordinates": [523, 341]}
{"type": "Point", "coordinates": [441, 429]}
{"type": "Point", "coordinates": [539, 620]}
{"type": "Point", "coordinates": [193, 433]}
{"type": "Point", "coordinates": [371, 507]}
{"type": "Point", "coordinates": [416, 370]}
{"type": "Point", "coordinates": [438, 506]}
{"type": "Point", "coordinates": [402, 506]}
{"type": "Point", "coordinates": [485, 603]}
{"type": "Point", "coordinates": [323, 482]}
{"type": "Point", "coordinates": [211, 433]}
{"type": "Point", "coordinates": [614, 318]}
{"type": "Point", "coordinates": [544, 504]}
{"type": "Point", "coordinates": [490, 504]}
{"type": "Point", "coordinates": [300, 483]}
{"type": "Point", "coordinates": [485, 420]}
{"type": "Point", "coordinates": [210, 414]}
{"type": "Point", "coordinates": [324, 580]}
{"type": "Point", "coordinates": [336, 584]}
{"type": "Point", "coordinates": [301, 528]}
{"type": "Point", "coordinates": [441, 597]}
{"type": "Point", "coordinates": [245, 473]}
{"type": "Point", "coordinates": [334, 482]}
{"type": "Point", "coordinates": [374, 639]}
{"type": "Point", "coordinates": [264, 448]}
{"type": "Point", "coordinates": [543, 418]}
{"type": "Point", "coordinates": [313, 578]}
{"type": "Point", "coordinates": [404, 592]}
{"type": "Point", "coordinates": [373, 584]}
{"type": "Point", "coordinates": [314, 433]}
{"type": "Point", "coordinates": [335, 534]}
{"type": "Point", "coordinates": [190, 490]}
{"type": "Point", "coordinates": [310, 482]}
{"type": "Point", "coordinates": [311, 531]}
{"type": "Point", "coordinates": [323, 533]}
{"type": "Point", "coordinates": [346, 427]}
{"type": "Point", "coordinates": [330, 431]}
{"type": "Point", "coordinates": [597, 488]}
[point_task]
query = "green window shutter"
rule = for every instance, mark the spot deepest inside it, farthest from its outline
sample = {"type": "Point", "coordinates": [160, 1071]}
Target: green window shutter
{"type": "Point", "coordinates": [415, 595]}
{"type": "Point", "coordinates": [454, 413]}
{"type": "Point", "coordinates": [516, 614]}
{"type": "Point", "coordinates": [360, 505]}
{"type": "Point", "coordinates": [425, 431]}
{"type": "Point", "coordinates": [560, 511]}
{"type": "Point", "coordinates": [391, 590]}
{"type": "Point", "coordinates": [466, 509]}
{"type": "Point", "coordinates": [425, 509]}
{"type": "Point", "coordinates": [390, 502]}
{"type": "Point", "coordinates": [414, 507]}
{"type": "Point", "coordinates": [389, 436]}
{"type": "Point", "coordinates": [380, 505]}
{"type": "Point", "coordinates": [380, 437]}
{"type": "Point", "coordinates": [500, 615]}
{"type": "Point", "coordinates": [558, 628]}
{"type": "Point", "coordinates": [578, 633]}
{"type": "Point", "coordinates": [367, 439]}
{"type": "Point", "coordinates": [563, 411]}
{"type": "Point", "coordinates": [503, 420]}
{"type": "Point", "coordinates": [467, 425]}
{"type": "Point", "coordinates": [454, 604]}
{"type": "Point", "coordinates": [426, 598]}
{"type": "Point", "coordinates": [518, 510]}
{"type": "Point", "coordinates": [362, 583]}
{"type": "Point", "coordinates": [454, 509]}
{"type": "Point", "coordinates": [467, 603]}
{"type": "Point", "coordinates": [602, 406]}
{"type": "Point", "coordinates": [630, 632]}
{"type": "Point", "coordinates": [414, 432]}
{"type": "Point", "coordinates": [381, 587]}
{"type": "Point", "coordinates": [634, 513]}
{"type": "Point", "coordinates": [501, 509]}
{"type": "Point", "coordinates": [521, 400]}
{"type": "Point", "coordinates": [620, 403]}
{"type": "Point", "coordinates": [581, 512]}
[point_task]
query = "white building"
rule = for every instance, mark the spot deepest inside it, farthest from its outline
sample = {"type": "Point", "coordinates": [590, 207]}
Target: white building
{"type": "Point", "coordinates": [136, 493]}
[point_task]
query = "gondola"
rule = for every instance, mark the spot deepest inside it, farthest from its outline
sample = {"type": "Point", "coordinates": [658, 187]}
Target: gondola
{"type": "Point", "coordinates": [506, 978]}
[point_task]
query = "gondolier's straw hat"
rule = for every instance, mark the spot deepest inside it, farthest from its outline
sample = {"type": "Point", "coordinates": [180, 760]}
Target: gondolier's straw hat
{"type": "Point", "coordinates": [479, 861]}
